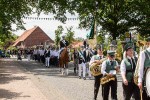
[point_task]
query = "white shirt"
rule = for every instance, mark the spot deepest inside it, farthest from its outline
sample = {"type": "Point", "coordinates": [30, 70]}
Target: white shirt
{"type": "Point", "coordinates": [38, 51]}
{"type": "Point", "coordinates": [35, 52]}
{"type": "Point", "coordinates": [92, 59]}
{"type": "Point", "coordinates": [41, 52]}
{"type": "Point", "coordinates": [123, 66]}
{"type": "Point", "coordinates": [56, 53]}
{"type": "Point", "coordinates": [141, 64]}
{"type": "Point", "coordinates": [52, 53]}
{"type": "Point", "coordinates": [103, 68]}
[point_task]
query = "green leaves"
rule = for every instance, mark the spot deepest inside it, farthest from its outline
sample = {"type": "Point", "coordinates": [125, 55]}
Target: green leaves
{"type": "Point", "coordinates": [12, 12]}
{"type": "Point", "coordinates": [58, 7]}
{"type": "Point", "coordinates": [70, 34]}
{"type": "Point", "coordinates": [58, 32]}
{"type": "Point", "coordinates": [115, 16]}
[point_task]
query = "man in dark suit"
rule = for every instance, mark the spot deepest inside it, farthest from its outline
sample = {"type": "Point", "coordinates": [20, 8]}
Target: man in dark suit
{"type": "Point", "coordinates": [63, 43]}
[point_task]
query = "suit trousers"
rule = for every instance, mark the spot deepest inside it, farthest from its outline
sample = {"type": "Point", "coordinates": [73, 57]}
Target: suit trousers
{"type": "Point", "coordinates": [106, 87]}
{"type": "Point", "coordinates": [76, 61]}
{"type": "Point", "coordinates": [145, 96]}
{"type": "Point", "coordinates": [129, 90]}
{"type": "Point", "coordinates": [97, 85]}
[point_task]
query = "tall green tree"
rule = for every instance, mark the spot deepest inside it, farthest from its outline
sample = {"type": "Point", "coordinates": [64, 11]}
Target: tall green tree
{"type": "Point", "coordinates": [100, 38]}
{"type": "Point", "coordinates": [70, 34]}
{"type": "Point", "coordinates": [114, 16]}
{"type": "Point", "coordinates": [0, 27]}
{"type": "Point", "coordinates": [58, 32]}
{"type": "Point", "coordinates": [144, 26]}
{"type": "Point", "coordinates": [12, 12]}
{"type": "Point", "coordinates": [58, 7]}
{"type": "Point", "coordinates": [7, 39]}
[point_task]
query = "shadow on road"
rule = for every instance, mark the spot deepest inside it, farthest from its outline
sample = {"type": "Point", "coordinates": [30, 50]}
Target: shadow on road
{"type": "Point", "coordinates": [6, 94]}
{"type": "Point", "coordinates": [39, 69]}
{"type": "Point", "coordinates": [8, 72]}
{"type": "Point", "coordinates": [6, 78]}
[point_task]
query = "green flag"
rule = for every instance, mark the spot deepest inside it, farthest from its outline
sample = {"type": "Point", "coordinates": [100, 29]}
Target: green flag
{"type": "Point", "coordinates": [90, 35]}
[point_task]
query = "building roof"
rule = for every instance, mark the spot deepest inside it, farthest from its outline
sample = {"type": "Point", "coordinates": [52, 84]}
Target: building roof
{"type": "Point", "coordinates": [77, 44]}
{"type": "Point", "coordinates": [27, 33]}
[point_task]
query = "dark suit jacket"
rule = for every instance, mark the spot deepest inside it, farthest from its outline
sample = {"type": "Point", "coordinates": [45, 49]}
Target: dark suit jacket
{"type": "Point", "coordinates": [63, 45]}
{"type": "Point", "coordinates": [47, 54]}
{"type": "Point", "coordinates": [80, 58]}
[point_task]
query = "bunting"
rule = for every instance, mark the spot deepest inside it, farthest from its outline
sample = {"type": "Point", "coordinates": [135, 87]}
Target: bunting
{"type": "Point", "coordinates": [38, 18]}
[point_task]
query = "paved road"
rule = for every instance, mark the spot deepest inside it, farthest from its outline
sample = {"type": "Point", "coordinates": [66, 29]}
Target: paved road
{"type": "Point", "coordinates": [15, 83]}
{"type": "Point", "coordinates": [54, 86]}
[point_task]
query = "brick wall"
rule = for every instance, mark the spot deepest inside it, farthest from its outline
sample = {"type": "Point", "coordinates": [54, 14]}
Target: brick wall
{"type": "Point", "coordinates": [36, 38]}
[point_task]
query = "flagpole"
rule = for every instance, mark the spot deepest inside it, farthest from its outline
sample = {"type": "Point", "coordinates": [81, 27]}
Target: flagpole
{"type": "Point", "coordinates": [96, 31]}
{"type": "Point", "coordinates": [95, 21]}
{"type": "Point", "coordinates": [93, 32]}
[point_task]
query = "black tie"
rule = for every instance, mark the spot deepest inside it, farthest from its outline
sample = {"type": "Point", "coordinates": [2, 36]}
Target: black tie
{"type": "Point", "coordinates": [111, 62]}
{"type": "Point", "coordinates": [100, 57]}
{"type": "Point", "coordinates": [133, 64]}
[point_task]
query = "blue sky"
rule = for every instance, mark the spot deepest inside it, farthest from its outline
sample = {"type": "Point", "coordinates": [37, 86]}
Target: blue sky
{"type": "Point", "coordinates": [49, 26]}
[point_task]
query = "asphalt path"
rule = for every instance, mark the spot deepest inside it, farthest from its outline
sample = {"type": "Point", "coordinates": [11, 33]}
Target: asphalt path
{"type": "Point", "coordinates": [55, 86]}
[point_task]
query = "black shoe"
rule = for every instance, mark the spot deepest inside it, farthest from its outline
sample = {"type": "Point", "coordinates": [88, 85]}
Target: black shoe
{"type": "Point", "coordinates": [79, 77]}
{"type": "Point", "coordinates": [84, 78]}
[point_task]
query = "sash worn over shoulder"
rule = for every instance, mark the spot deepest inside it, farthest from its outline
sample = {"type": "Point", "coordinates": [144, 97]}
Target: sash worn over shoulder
{"type": "Point", "coordinates": [81, 55]}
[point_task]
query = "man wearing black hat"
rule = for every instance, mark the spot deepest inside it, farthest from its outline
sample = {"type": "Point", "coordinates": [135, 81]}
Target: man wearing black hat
{"type": "Point", "coordinates": [128, 66]}
{"type": "Point", "coordinates": [109, 68]}
{"type": "Point", "coordinates": [63, 43]}
{"type": "Point", "coordinates": [144, 65]}
{"type": "Point", "coordinates": [96, 59]}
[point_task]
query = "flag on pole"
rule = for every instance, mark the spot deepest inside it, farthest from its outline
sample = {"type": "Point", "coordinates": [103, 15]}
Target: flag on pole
{"type": "Point", "coordinates": [90, 35]}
